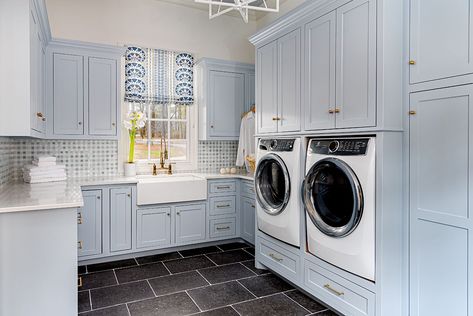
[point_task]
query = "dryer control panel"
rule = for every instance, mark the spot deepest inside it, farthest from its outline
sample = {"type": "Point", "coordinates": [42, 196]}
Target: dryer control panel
{"type": "Point", "coordinates": [339, 147]}
{"type": "Point", "coordinates": [280, 144]}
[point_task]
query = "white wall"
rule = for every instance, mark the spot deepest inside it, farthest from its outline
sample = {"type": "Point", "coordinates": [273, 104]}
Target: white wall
{"type": "Point", "coordinates": [284, 8]}
{"type": "Point", "coordinates": [152, 23]}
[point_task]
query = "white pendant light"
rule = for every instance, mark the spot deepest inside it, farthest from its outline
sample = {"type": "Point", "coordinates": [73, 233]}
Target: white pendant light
{"type": "Point", "coordinates": [220, 7]}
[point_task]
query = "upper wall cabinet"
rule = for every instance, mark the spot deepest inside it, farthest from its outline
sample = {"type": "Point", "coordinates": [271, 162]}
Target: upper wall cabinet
{"type": "Point", "coordinates": [278, 84]}
{"type": "Point", "coordinates": [440, 39]}
{"type": "Point", "coordinates": [340, 75]}
{"type": "Point", "coordinates": [83, 90]}
{"type": "Point", "coordinates": [317, 68]}
{"type": "Point", "coordinates": [225, 90]}
{"type": "Point", "coordinates": [22, 102]}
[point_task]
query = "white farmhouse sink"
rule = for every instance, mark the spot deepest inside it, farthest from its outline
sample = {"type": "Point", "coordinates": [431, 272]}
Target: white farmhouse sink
{"type": "Point", "coordinates": [169, 189]}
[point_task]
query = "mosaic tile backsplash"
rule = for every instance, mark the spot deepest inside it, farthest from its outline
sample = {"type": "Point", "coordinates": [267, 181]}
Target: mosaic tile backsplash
{"type": "Point", "coordinates": [90, 158]}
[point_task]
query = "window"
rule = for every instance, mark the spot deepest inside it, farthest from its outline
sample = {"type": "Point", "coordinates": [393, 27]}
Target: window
{"type": "Point", "coordinates": [168, 129]}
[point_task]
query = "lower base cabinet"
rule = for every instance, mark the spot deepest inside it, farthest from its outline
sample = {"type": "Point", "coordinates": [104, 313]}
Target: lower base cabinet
{"type": "Point", "coordinates": [121, 213]}
{"type": "Point", "coordinates": [153, 227]}
{"type": "Point", "coordinates": [190, 223]}
{"type": "Point", "coordinates": [89, 227]}
{"type": "Point", "coordinates": [247, 208]}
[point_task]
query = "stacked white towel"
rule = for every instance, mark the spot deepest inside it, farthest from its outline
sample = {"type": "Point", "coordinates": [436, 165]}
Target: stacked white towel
{"type": "Point", "coordinates": [44, 169]}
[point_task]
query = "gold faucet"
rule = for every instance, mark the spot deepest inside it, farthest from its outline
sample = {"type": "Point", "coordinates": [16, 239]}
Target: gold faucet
{"type": "Point", "coordinates": [164, 155]}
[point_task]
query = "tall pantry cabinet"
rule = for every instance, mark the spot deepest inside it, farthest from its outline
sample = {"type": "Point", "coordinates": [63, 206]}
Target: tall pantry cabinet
{"type": "Point", "coordinates": [440, 157]}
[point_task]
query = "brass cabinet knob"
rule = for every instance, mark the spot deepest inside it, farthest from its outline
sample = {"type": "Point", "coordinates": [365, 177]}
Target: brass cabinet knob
{"type": "Point", "coordinates": [412, 62]}
{"type": "Point", "coordinates": [113, 124]}
{"type": "Point", "coordinates": [80, 123]}
{"type": "Point", "coordinates": [79, 283]}
{"type": "Point", "coordinates": [39, 114]}
{"type": "Point", "coordinates": [337, 110]}
{"type": "Point", "coordinates": [331, 111]}
{"type": "Point", "coordinates": [276, 118]}
{"type": "Point", "coordinates": [211, 126]}
{"type": "Point", "coordinates": [412, 112]}
{"type": "Point", "coordinates": [79, 244]}
{"type": "Point", "coordinates": [129, 195]}
{"type": "Point", "coordinates": [178, 213]}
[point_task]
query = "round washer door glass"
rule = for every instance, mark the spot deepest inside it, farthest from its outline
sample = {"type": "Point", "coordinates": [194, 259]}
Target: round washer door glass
{"type": "Point", "coordinates": [333, 197]}
{"type": "Point", "coordinates": [272, 184]}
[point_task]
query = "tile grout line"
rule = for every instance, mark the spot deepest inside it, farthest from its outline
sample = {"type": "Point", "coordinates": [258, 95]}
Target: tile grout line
{"type": "Point", "coordinates": [211, 260]}
{"type": "Point", "coordinates": [149, 284]}
{"type": "Point", "coordinates": [128, 309]}
{"type": "Point", "coordinates": [238, 281]}
{"type": "Point", "coordinates": [90, 300]}
{"type": "Point", "coordinates": [309, 312]}
{"type": "Point", "coordinates": [203, 277]}
{"type": "Point", "coordinates": [200, 309]}
{"type": "Point", "coordinates": [231, 306]}
{"type": "Point", "coordinates": [248, 268]}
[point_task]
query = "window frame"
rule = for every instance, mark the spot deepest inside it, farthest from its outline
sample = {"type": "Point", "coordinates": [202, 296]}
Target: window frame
{"type": "Point", "coordinates": [190, 164]}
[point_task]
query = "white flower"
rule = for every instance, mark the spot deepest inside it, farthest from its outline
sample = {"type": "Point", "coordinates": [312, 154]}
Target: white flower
{"type": "Point", "coordinates": [134, 120]}
{"type": "Point", "coordinates": [127, 124]}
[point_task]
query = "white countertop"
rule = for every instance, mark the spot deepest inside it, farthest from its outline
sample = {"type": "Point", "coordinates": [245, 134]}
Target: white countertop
{"type": "Point", "coordinates": [23, 197]}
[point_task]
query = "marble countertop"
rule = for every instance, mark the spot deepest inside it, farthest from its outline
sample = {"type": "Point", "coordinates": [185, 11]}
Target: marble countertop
{"type": "Point", "coordinates": [23, 197]}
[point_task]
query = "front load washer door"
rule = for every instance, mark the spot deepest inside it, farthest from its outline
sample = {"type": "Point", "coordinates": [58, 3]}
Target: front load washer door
{"type": "Point", "coordinates": [272, 184]}
{"type": "Point", "coordinates": [333, 197]}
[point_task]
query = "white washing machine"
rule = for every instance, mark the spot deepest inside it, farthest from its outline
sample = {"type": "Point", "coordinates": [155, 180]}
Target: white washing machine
{"type": "Point", "coordinates": [339, 198]}
{"type": "Point", "coordinates": [277, 183]}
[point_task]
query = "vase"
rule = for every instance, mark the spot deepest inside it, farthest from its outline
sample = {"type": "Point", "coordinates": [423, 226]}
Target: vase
{"type": "Point", "coordinates": [130, 169]}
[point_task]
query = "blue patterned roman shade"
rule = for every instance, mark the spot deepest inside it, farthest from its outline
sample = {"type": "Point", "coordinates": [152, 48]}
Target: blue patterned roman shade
{"type": "Point", "coordinates": [158, 76]}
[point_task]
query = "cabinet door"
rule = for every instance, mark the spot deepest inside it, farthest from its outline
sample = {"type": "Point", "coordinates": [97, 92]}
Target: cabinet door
{"type": "Point", "coordinates": [153, 227]}
{"type": "Point", "coordinates": [190, 223]}
{"type": "Point", "coordinates": [441, 160]}
{"type": "Point", "coordinates": [251, 91]}
{"type": "Point", "coordinates": [68, 94]}
{"type": "Point", "coordinates": [319, 83]}
{"type": "Point", "coordinates": [102, 92]}
{"type": "Point", "coordinates": [267, 88]}
{"type": "Point", "coordinates": [120, 219]}
{"type": "Point", "coordinates": [227, 103]}
{"type": "Point", "coordinates": [440, 39]}
{"type": "Point", "coordinates": [289, 82]}
{"type": "Point", "coordinates": [36, 75]}
{"type": "Point", "coordinates": [90, 224]}
{"type": "Point", "coordinates": [356, 64]}
{"type": "Point", "coordinates": [248, 219]}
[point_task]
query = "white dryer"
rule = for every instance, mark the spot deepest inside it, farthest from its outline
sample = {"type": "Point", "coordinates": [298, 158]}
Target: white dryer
{"type": "Point", "coordinates": [339, 199]}
{"type": "Point", "coordinates": [277, 183]}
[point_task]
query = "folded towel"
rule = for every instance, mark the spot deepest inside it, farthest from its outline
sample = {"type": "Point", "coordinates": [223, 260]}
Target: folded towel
{"type": "Point", "coordinates": [45, 176]}
{"type": "Point", "coordinates": [44, 158]}
{"type": "Point", "coordinates": [43, 163]}
{"type": "Point", "coordinates": [45, 180]}
{"type": "Point", "coordinates": [33, 168]}
{"type": "Point", "coordinates": [44, 172]}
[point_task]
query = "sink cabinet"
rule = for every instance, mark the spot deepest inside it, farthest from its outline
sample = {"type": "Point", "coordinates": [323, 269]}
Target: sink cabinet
{"type": "Point", "coordinates": [190, 223]}
{"type": "Point", "coordinates": [153, 227]}
{"type": "Point", "coordinates": [111, 223]}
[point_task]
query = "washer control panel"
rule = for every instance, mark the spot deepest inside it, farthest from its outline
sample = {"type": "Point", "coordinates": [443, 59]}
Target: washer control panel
{"type": "Point", "coordinates": [277, 144]}
{"type": "Point", "coordinates": [339, 147]}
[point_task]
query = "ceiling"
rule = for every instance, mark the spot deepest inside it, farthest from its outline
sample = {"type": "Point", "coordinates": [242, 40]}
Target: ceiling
{"type": "Point", "coordinates": [253, 15]}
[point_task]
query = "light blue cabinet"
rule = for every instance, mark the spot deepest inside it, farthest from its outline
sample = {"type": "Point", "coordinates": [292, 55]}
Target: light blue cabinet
{"type": "Point", "coordinates": [83, 91]}
{"type": "Point", "coordinates": [440, 50]}
{"type": "Point", "coordinates": [226, 103]}
{"type": "Point", "coordinates": [190, 223]}
{"type": "Point", "coordinates": [90, 224]}
{"type": "Point", "coordinates": [441, 227]}
{"type": "Point", "coordinates": [153, 227]}
{"type": "Point", "coordinates": [225, 90]}
{"type": "Point", "coordinates": [102, 93]}
{"type": "Point", "coordinates": [278, 84]}
{"type": "Point", "coordinates": [120, 219]}
{"type": "Point", "coordinates": [319, 73]}
{"type": "Point", "coordinates": [267, 88]}
{"type": "Point", "coordinates": [247, 209]}
{"type": "Point", "coordinates": [68, 94]}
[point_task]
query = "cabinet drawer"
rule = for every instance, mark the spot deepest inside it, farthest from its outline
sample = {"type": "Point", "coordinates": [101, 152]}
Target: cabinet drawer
{"type": "Point", "coordinates": [223, 187]}
{"type": "Point", "coordinates": [222, 205]}
{"type": "Point", "coordinates": [279, 259]}
{"type": "Point", "coordinates": [342, 294]}
{"type": "Point", "coordinates": [247, 189]}
{"type": "Point", "coordinates": [223, 227]}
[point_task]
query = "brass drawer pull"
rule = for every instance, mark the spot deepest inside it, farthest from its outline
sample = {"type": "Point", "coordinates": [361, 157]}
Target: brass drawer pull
{"type": "Point", "coordinates": [338, 293]}
{"type": "Point", "coordinates": [79, 285]}
{"type": "Point", "coordinates": [273, 256]}
{"type": "Point", "coordinates": [79, 218]}
{"type": "Point", "coordinates": [223, 228]}
{"type": "Point", "coordinates": [276, 118]}
{"type": "Point", "coordinates": [223, 206]}
{"type": "Point", "coordinates": [79, 244]}
{"type": "Point", "coordinates": [337, 110]}
{"type": "Point", "coordinates": [223, 187]}
{"type": "Point", "coordinates": [412, 62]}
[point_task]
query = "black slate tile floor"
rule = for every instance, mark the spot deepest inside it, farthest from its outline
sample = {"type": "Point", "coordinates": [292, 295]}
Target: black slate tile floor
{"type": "Point", "coordinates": [210, 281]}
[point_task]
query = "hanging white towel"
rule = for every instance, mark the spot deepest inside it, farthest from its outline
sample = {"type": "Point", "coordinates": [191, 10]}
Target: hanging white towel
{"type": "Point", "coordinates": [246, 145]}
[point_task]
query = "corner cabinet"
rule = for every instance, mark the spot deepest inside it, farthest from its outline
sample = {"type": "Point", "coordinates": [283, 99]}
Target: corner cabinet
{"type": "Point", "coordinates": [83, 90]}
{"type": "Point", "coordinates": [224, 91]}
{"type": "Point", "coordinates": [22, 99]}
{"type": "Point", "coordinates": [278, 85]}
